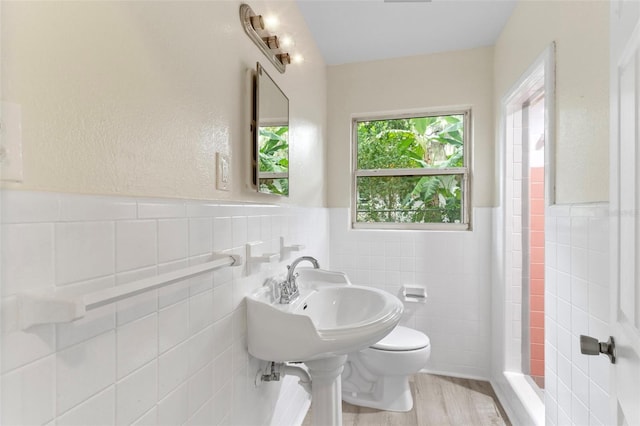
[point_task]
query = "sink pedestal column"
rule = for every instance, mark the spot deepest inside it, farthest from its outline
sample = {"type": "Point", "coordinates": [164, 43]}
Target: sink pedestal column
{"type": "Point", "coordinates": [326, 390]}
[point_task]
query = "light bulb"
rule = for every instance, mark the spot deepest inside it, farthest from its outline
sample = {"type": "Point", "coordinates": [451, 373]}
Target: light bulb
{"type": "Point", "coordinates": [297, 58]}
{"type": "Point", "coordinates": [287, 42]}
{"type": "Point", "coordinates": [271, 22]}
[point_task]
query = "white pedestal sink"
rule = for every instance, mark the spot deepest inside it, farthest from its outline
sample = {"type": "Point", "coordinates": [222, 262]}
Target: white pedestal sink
{"type": "Point", "coordinates": [326, 389]}
{"type": "Point", "coordinates": [330, 319]}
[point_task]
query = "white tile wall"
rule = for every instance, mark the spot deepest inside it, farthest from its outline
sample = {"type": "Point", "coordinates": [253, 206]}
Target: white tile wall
{"type": "Point", "coordinates": [136, 393]}
{"type": "Point", "coordinates": [38, 381]}
{"type": "Point", "coordinates": [513, 242]}
{"type": "Point", "coordinates": [577, 302]}
{"type": "Point", "coordinates": [83, 370]}
{"type": "Point", "coordinates": [453, 266]}
{"type": "Point", "coordinates": [136, 244]}
{"type": "Point", "coordinates": [83, 250]}
{"type": "Point", "coordinates": [97, 410]}
{"type": "Point", "coordinates": [173, 356]}
{"type": "Point", "coordinates": [178, 355]}
{"type": "Point", "coordinates": [33, 241]}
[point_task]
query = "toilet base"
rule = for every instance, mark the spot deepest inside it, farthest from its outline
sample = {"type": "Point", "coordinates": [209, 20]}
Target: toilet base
{"type": "Point", "coordinates": [390, 394]}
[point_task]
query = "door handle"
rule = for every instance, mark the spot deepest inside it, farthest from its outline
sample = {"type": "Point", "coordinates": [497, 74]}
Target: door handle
{"type": "Point", "coordinates": [591, 346]}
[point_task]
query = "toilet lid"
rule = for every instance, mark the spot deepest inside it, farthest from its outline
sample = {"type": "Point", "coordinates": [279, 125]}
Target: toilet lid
{"type": "Point", "coordinates": [403, 339]}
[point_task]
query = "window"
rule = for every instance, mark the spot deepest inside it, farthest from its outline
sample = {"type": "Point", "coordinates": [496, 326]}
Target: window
{"type": "Point", "coordinates": [412, 171]}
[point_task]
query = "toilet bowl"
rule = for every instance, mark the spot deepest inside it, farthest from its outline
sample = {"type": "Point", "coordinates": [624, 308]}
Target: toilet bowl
{"type": "Point", "coordinates": [378, 376]}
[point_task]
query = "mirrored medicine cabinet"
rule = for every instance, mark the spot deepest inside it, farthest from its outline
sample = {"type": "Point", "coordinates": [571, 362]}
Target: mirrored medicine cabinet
{"type": "Point", "coordinates": [270, 135]}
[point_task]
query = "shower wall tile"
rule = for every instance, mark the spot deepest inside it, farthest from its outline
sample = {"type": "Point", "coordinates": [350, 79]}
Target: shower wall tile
{"type": "Point", "coordinates": [170, 356]}
{"type": "Point", "coordinates": [578, 393]}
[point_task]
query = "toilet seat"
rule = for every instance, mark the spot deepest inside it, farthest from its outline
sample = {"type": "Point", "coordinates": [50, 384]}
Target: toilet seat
{"type": "Point", "coordinates": [402, 339]}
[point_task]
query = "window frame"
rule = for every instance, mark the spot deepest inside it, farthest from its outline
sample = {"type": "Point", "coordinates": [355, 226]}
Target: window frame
{"type": "Point", "coordinates": [464, 172]}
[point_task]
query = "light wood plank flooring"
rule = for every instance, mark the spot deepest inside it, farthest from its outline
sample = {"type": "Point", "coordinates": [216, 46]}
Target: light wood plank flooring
{"type": "Point", "coordinates": [438, 400]}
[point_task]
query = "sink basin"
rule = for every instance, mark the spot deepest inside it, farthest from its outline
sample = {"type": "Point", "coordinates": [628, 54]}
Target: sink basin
{"type": "Point", "coordinates": [331, 317]}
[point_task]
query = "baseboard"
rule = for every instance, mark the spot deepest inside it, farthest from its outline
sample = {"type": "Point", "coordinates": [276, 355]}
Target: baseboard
{"type": "Point", "coordinates": [453, 374]}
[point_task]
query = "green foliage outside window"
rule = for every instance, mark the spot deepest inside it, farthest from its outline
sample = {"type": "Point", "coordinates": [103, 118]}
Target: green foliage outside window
{"type": "Point", "coordinates": [273, 157]}
{"type": "Point", "coordinates": [410, 143]}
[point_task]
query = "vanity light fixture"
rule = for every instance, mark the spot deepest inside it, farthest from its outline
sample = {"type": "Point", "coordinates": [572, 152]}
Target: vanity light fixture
{"type": "Point", "coordinates": [258, 29]}
{"type": "Point", "coordinates": [285, 58]}
{"type": "Point", "coordinates": [271, 42]}
{"type": "Point", "coordinates": [257, 23]}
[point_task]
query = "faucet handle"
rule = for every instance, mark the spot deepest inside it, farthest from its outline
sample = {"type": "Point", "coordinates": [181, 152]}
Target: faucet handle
{"type": "Point", "coordinates": [275, 287]}
{"type": "Point", "coordinates": [288, 291]}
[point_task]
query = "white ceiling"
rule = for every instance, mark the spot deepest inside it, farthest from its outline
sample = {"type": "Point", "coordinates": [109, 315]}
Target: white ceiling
{"type": "Point", "coordinates": [364, 30]}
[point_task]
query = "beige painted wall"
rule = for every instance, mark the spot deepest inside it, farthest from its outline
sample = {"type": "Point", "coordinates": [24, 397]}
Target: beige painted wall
{"type": "Point", "coordinates": [461, 78]}
{"type": "Point", "coordinates": [581, 32]}
{"type": "Point", "coordinates": [136, 98]}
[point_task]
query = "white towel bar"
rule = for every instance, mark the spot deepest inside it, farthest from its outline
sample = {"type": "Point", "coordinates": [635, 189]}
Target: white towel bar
{"type": "Point", "coordinates": [54, 306]}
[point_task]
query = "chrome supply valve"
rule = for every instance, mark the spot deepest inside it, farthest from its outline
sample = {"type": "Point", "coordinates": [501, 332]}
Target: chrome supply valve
{"type": "Point", "coordinates": [274, 374]}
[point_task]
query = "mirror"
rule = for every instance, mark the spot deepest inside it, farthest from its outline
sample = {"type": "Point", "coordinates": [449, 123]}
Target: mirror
{"type": "Point", "coordinates": [271, 136]}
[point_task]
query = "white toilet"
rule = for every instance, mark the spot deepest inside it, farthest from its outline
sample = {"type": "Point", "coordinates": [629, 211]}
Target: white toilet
{"type": "Point", "coordinates": [378, 376]}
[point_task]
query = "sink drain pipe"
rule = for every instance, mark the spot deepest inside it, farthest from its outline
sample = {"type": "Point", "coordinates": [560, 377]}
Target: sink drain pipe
{"type": "Point", "coordinates": [277, 370]}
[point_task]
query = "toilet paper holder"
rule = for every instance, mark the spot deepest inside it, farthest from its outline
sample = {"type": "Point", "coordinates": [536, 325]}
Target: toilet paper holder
{"type": "Point", "coordinates": [414, 293]}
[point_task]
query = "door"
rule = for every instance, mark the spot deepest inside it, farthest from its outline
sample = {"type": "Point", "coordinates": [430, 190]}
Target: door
{"type": "Point", "coordinates": [625, 212]}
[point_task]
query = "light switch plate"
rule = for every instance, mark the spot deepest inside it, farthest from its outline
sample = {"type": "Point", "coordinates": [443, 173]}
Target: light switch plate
{"type": "Point", "coordinates": [10, 142]}
{"type": "Point", "coordinates": [223, 172]}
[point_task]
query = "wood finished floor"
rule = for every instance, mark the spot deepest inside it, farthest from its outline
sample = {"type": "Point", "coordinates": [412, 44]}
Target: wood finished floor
{"type": "Point", "coordinates": [438, 400]}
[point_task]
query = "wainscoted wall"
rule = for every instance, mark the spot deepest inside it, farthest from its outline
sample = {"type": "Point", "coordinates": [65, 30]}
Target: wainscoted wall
{"type": "Point", "coordinates": [455, 268]}
{"type": "Point", "coordinates": [577, 302]}
{"type": "Point", "coordinates": [172, 356]}
{"type": "Point", "coordinates": [178, 355]}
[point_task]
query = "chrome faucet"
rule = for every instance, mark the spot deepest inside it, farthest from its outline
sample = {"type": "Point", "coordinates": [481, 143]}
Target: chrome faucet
{"type": "Point", "coordinates": [289, 288]}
